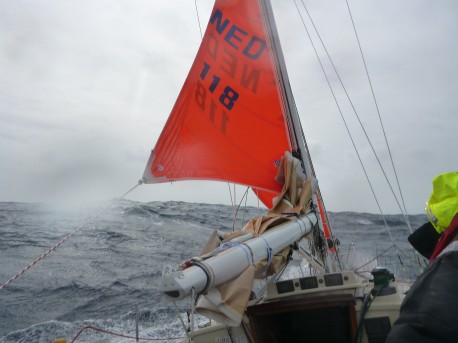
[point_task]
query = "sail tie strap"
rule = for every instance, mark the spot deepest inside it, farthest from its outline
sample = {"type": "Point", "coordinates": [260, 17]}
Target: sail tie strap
{"type": "Point", "coordinates": [197, 261]}
{"type": "Point", "coordinates": [246, 249]}
{"type": "Point", "coordinates": [269, 256]}
{"type": "Point", "coordinates": [249, 249]}
{"type": "Point", "coordinates": [301, 220]}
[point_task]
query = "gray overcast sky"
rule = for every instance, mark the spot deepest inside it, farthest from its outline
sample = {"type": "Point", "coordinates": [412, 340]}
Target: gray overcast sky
{"type": "Point", "coordinates": [87, 85]}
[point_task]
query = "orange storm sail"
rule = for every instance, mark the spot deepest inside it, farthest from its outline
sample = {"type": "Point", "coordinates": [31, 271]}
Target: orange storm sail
{"type": "Point", "coordinates": [228, 123]}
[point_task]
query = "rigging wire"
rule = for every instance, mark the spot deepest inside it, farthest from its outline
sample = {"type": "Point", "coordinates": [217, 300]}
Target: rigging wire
{"type": "Point", "coordinates": [94, 328]}
{"type": "Point", "coordinates": [234, 209]}
{"type": "Point", "coordinates": [351, 103]}
{"type": "Point", "coordinates": [245, 195]}
{"type": "Point", "coordinates": [343, 118]}
{"type": "Point", "coordinates": [233, 204]}
{"type": "Point", "coordinates": [230, 193]}
{"type": "Point", "coordinates": [198, 20]}
{"type": "Point", "coordinates": [406, 216]}
{"type": "Point", "coordinates": [403, 211]}
{"type": "Point", "coordinates": [245, 211]}
{"type": "Point", "coordinates": [375, 258]}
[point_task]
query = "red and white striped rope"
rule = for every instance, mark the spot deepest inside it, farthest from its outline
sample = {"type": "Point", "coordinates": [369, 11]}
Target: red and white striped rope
{"type": "Point", "coordinates": [39, 258]}
{"type": "Point", "coordinates": [54, 247]}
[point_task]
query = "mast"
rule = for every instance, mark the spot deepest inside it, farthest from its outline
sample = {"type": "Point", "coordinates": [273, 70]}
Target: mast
{"type": "Point", "coordinates": [294, 124]}
{"type": "Point", "coordinates": [300, 149]}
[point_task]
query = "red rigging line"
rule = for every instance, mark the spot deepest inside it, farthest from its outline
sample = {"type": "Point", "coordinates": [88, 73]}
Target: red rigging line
{"type": "Point", "coordinates": [90, 327]}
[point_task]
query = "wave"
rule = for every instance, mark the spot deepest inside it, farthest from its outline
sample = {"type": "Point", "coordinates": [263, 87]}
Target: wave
{"type": "Point", "coordinates": [115, 263]}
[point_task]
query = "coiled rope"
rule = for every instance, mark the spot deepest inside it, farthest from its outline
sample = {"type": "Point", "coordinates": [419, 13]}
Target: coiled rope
{"type": "Point", "coordinates": [58, 244]}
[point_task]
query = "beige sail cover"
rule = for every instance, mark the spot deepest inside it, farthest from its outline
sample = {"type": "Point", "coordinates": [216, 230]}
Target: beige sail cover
{"type": "Point", "coordinates": [226, 303]}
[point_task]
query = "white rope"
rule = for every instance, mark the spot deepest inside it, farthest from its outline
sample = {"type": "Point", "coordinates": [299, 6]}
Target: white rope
{"type": "Point", "coordinates": [193, 307]}
{"type": "Point", "coordinates": [181, 319]}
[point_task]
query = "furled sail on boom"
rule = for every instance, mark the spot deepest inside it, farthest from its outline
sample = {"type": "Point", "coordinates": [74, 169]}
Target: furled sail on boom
{"type": "Point", "coordinates": [229, 121]}
{"type": "Point", "coordinates": [235, 120]}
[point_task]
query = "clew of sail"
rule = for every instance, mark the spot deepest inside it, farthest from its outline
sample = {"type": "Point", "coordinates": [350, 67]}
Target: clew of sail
{"type": "Point", "coordinates": [229, 121]}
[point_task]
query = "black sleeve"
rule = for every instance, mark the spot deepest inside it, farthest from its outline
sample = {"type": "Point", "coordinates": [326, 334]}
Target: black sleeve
{"type": "Point", "coordinates": [429, 312]}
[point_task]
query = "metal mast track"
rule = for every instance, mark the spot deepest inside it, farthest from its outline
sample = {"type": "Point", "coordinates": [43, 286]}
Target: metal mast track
{"type": "Point", "coordinates": [296, 133]}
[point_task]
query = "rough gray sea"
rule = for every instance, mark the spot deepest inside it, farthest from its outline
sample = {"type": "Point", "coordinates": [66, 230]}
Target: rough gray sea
{"type": "Point", "coordinates": [113, 265]}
